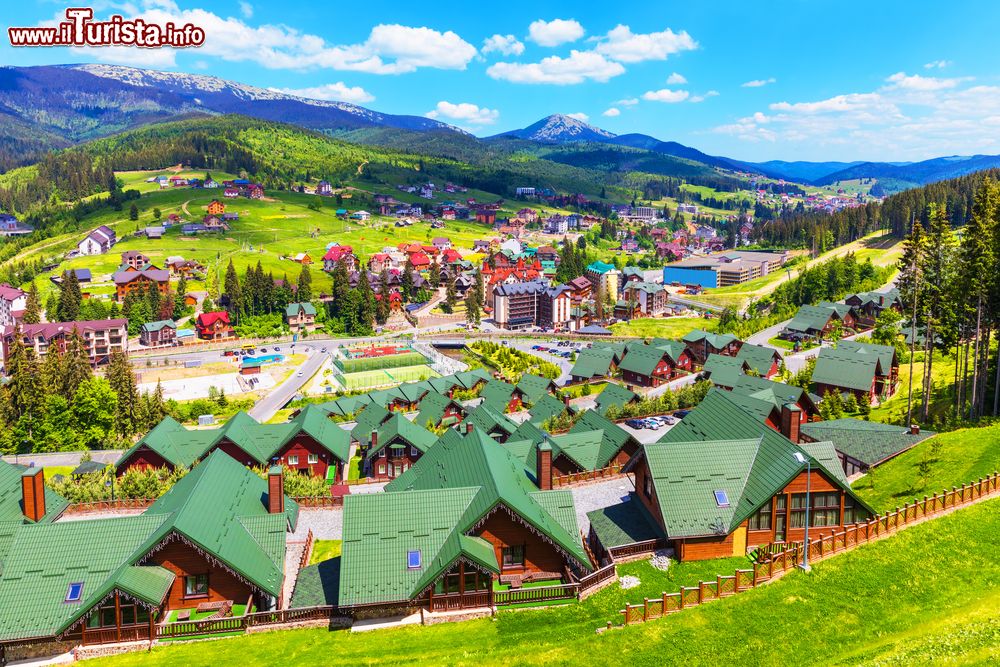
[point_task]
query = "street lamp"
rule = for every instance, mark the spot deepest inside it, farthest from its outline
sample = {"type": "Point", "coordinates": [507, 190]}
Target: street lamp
{"type": "Point", "coordinates": [802, 458]}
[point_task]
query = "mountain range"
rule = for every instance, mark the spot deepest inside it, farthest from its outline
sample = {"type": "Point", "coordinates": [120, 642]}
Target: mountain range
{"type": "Point", "coordinates": [50, 107]}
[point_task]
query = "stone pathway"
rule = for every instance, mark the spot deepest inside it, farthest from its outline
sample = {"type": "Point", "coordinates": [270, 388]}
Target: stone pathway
{"type": "Point", "coordinates": [595, 495]}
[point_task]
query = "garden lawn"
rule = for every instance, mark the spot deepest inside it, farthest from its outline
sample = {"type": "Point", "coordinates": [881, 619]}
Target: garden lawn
{"type": "Point", "coordinates": [962, 456]}
{"type": "Point", "coordinates": [927, 594]}
{"type": "Point", "coordinates": [662, 327]}
{"type": "Point", "coordinates": [354, 468]}
{"type": "Point", "coordinates": [325, 550]}
{"type": "Point", "coordinates": [893, 411]}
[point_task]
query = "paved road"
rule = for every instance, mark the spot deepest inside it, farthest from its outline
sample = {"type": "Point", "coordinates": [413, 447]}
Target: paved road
{"type": "Point", "coordinates": [691, 303]}
{"type": "Point", "coordinates": [276, 399]}
{"type": "Point", "coordinates": [762, 337]}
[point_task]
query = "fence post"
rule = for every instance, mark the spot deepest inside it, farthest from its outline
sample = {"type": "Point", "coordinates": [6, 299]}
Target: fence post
{"type": "Point", "coordinates": [645, 609]}
{"type": "Point", "coordinates": [663, 603]}
{"type": "Point", "coordinates": [701, 592]}
{"type": "Point", "coordinates": [626, 613]}
{"type": "Point", "coordinates": [680, 601]}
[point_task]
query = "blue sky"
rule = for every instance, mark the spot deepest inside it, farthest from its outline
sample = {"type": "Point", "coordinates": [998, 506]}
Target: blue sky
{"type": "Point", "coordinates": [784, 79]}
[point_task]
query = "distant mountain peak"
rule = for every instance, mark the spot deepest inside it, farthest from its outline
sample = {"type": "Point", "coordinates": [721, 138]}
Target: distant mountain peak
{"type": "Point", "coordinates": [560, 128]}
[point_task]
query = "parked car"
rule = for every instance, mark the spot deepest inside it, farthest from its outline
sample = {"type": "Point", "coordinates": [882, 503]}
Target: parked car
{"type": "Point", "coordinates": [681, 414]}
{"type": "Point", "coordinates": [634, 423]}
{"type": "Point", "coordinates": [670, 419]}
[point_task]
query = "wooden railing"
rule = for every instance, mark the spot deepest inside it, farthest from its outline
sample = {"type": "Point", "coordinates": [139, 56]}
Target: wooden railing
{"type": "Point", "coordinates": [307, 550]}
{"type": "Point", "coordinates": [110, 505]}
{"type": "Point", "coordinates": [320, 501]}
{"type": "Point", "coordinates": [634, 549]}
{"type": "Point", "coordinates": [536, 594]}
{"type": "Point", "coordinates": [587, 475]}
{"type": "Point", "coordinates": [776, 559]}
{"type": "Point", "coordinates": [368, 480]}
{"type": "Point", "coordinates": [597, 577]}
{"type": "Point", "coordinates": [235, 624]}
{"type": "Point", "coordinates": [281, 616]}
{"type": "Point", "coordinates": [452, 601]}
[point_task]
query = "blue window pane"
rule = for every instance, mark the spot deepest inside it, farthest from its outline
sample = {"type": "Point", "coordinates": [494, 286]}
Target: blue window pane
{"type": "Point", "coordinates": [75, 592]}
{"type": "Point", "coordinates": [412, 559]}
{"type": "Point", "coordinates": [721, 499]}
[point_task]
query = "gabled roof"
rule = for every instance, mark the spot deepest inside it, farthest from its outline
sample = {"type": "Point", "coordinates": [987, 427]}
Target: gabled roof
{"type": "Point", "coordinates": [642, 359]}
{"type": "Point", "coordinates": [489, 420]}
{"type": "Point", "coordinates": [614, 394]}
{"type": "Point", "coordinates": [370, 419]}
{"type": "Point", "coordinates": [497, 394]}
{"type": "Point", "coordinates": [159, 324]}
{"type": "Point", "coordinates": [719, 417]}
{"type": "Point", "coordinates": [613, 436]}
{"type": "Point", "coordinates": [398, 430]}
{"type": "Point", "coordinates": [853, 365]}
{"type": "Point", "coordinates": [293, 309]}
{"type": "Point", "coordinates": [866, 441]}
{"type": "Point", "coordinates": [716, 340]}
{"type": "Point", "coordinates": [723, 370]}
{"type": "Point", "coordinates": [758, 357]}
{"type": "Point", "coordinates": [593, 362]}
{"type": "Point", "coordinates": [220, 507]}
{"type": "Point", "coordinates": [533, 387]}
{"type": "Point", "coordinates": [776, 394]}
{"type": "Point", "coordinates": [811, 318]}
{"type": "Point", "coordinates": [686, 476]}
{"type": "Point", "coordinates": [11, 509]}
{"type": "Point", "coordinates": [433, 406]}
{"type": "Point", "coordinates": [546, 407]}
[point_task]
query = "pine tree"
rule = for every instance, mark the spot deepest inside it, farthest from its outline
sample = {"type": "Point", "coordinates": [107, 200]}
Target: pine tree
{"type": "Point", "coordinates": [23, 387]}
{"type": "Point", "coordinates": [910, 284]}
{"type": "Point", "coordinates": [366, 303]}
{"type": "Point", "coordinates": [69, 298]}
{"type": "Point", "coordinates": [178, 310]}
{"type": "Point", "coordinates": [33, 306]}
{"type": "Point", "coordinates": [939, 267]}
{"type": "Point", "coordinates": [435, 274]}
{"type": "Point", "coordinates": [304, 291]}
{"type": "Point", "coordinates": [133, 212]}
{"type": "Point", "coordinates": [233, 292]}
{"type": "Point", "coordinates": [76, 361]}
{"type": "Point", "coordinates": [473, 312]}
{"type": "Point", "coordinates": [407, 285]}
{"type": "Point", "coordinates": [52, 376]}
{"type": "Point", "coordinates": [450, 296]}
{"type": "Point", "coordinates": [122, 381]}
{"type": "Point", "coordinates": [382, 306]}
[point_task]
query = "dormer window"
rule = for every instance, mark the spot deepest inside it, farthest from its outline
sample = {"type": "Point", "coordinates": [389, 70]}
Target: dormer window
{"type": "Point", "coordinates": [75, 592]}
{"type": "Point", "coordinates": [721, 498]}
{"type": "Point", "coordinates": [413, 559]}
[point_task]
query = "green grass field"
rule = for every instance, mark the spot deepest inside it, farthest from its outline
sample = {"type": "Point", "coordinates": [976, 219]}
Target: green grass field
{"type": "Point", "coordinates": [893, 410]}
{"type": "Point", "coordinates": [926, 595]}
{"type": "Point", "coordinates": [662, 327]}
{"type": "Point", "coordinates": [281, 225]}
{"type": "Point", "coordinates": [955, 458]}
{"type": "Point", "coordinates": [325, 550]}
{"type": "Point", "coordinates": [385, 378]}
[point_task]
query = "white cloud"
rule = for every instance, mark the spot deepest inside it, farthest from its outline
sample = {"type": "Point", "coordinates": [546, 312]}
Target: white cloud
{"type": "Point", "coordinates": [621, 44]}
{"type": "Point", "coordinates": [246, 9]}
{"type": "Point", "coordinates": [937, 64]}
{"type": "Point", "coordinates": [908, 118]}
{"type": "Point", "coordinates": [555, 32]}
{"type": "Point", "coordinates": [665, 95]}
{"type": "Point", "coordinates": [921, 83]}
{"type": "Point", "coordinates": [464, 111]}
{"type": "Point", "coordinates": [628, 101]}
{"type": "Point", "coordinates": [758, 83]}
{"type": "Point", "coordinates": [612, 112]}
{"type": "Point", "coordinates": [579, 115]}
{"type": "Point", "coordinates": [676, 79]}
{"type": "Point", "coordinates": [388, 49]}
{"type": "Point", "coordinates": [580, 66]}
{"type": "Point", "coordinates": [508, 45]}
{"type": "Point", "coordinates": [704, 96]}
{"type": "Point", "coordinates": [333, 92]}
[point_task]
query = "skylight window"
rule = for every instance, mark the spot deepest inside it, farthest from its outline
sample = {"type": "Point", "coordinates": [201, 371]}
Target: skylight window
{"type": "Point", "coordinates": [75, 592]}
{"type": "Point", "coordinates": [721, 498]}
{"type": "Point", "coordinates": [413, 559]}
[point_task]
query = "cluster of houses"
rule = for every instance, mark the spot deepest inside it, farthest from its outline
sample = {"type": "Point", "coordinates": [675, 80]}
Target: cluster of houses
{"type": "Point", "coordinates": [858, 313]}
{"type": "Point", "coordinates": [11, 226]}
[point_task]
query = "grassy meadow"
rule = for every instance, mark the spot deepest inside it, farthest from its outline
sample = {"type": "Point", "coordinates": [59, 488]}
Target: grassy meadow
{"type": "Point", "coordinates": [662, 327]}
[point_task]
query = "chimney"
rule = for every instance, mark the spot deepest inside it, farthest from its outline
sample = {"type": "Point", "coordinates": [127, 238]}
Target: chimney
{"type": "Point", "coordinates": [275, 490]}
{"type": "Point", "coordinates": [566, 400]}
{"type": "Point", "coordinates": [791, 417]}
{"type": "Point", "coordinates": [543, 465]}
{"type": "Point", "coordinates": [914, 429]}
{"type": "Point", "coordinates": [373, 442]}
{"type": "Point", "coordinates": [468, 427]}
{"type": "Point", "coordinates": [33, 494]}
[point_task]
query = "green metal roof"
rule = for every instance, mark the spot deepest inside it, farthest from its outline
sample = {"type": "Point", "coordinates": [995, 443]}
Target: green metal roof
{"type": "Point", "coordinates": [758, 357]}
{"type": "Point", "coordinates": [534, 387]}
{"type": "Point", "coordinates": [613, 436]}
{"type": "Point", "coordinates": [546, 407]}
{"type": "Point", "coordinates": [490, 421]}
{"type": "Point", "coordinates": [219, 506]}
{"type": "Point", "coordinates": [614, 394]}
{"type": "Point", "coordinates": [159, 324]}
{"type": "Point", "coordinates": [148, 583]}
{"type": "Point", "coordinates": [373, 416]}
{"type": "Point", "coordinates": [11, 493]}
{"type": "Point", "coordinates": [497, 394]}
{"type": "Point", "coordinates": [775, 394]}
{"type": "Point", "coordinates": [381, 528]}
{"type": "Point", "coordinates": [853, 365]}
{"type": "Point", "coordinates": [810, 319]}
{"type": "Point", "coordinates": [600, 267]}
{"type": "Point", "coordinates": [593, 362]}
{"type": "Point", "coordinates": [642, 359]}
{"type": "Point", "coordinates": [724, 370]}
{"type": "Point", "coordinates": [398, 430]}
{"type": "Point", "coordinates": [716, 340]}
{"type": "Point", "coordinates": [868, 442]}
{"type": "Point", "coordinates": [293, 309]}
{"type": "Point", "coordinates": [624, 523]}
{"type": "Point", "coordinates": [433, 406]}
{"type": "Point", "coordinates": [318, 585]}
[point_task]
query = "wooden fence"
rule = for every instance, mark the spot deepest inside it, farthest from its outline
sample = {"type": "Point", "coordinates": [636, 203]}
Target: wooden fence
{"type": "Point", "coordinates": [587, 475]}
{"type": "Point", "coordinates": [628, 551]}
{"type": "Point", "coordinates": [320, 501]}
{"type": "Point", "coordinates": [306, 550]}
{"type": "Point", "coordinates": [773, 563]}
{"type": "Point", "coordinates": [237, 624]}
{"type": "Point", "coordinates": [542, 594]}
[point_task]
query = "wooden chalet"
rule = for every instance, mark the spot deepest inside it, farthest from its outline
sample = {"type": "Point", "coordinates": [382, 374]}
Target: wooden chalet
{"type": "Point", "coordinates": [709, 498]}
{"type": "Point", "coordinates": [861, 444]}
{"type": "Point", "coordinates": [438, 410]}
{"type": "Point", "coordinates": [214, 325]}
{"type": "Point", "coordinates": [395, 446]}
{"type": "Point", "coordinates": [700, 344]}
{"type": "Point", "coordinates": [867, 306]}
{"type": "Point", "coordinates": [464, 517]}
{"type": "Point", "coordinates": [652, 365]}
{"type": "Point", "coordinates": [310, 443]}
{"type": "Point", "coordinates": [760, 360]}
{"type": "Point", "coordinates": [867, 370]}
{"type": "Point", "coordinates": [161, 333]}
{"type": "Point", "coordinates": [139, 280]}
{"type": "Point", "coordinates": [217, 538]}
{"type": "Point", "coordinates": [502, 396]}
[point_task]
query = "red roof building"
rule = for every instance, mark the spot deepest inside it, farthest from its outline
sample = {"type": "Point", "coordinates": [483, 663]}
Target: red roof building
{"type": "Point", "coordinates": [214, 325]}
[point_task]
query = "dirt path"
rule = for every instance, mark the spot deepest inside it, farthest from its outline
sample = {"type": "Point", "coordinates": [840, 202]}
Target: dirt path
{"type": "Point", "coordinates": [184, 207]}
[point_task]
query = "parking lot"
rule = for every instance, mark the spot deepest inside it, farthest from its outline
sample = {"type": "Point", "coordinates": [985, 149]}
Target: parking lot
{"type": "Point", "coordinates": [650, 431]}
{"type": "Point", "coordinates": [554, 352]}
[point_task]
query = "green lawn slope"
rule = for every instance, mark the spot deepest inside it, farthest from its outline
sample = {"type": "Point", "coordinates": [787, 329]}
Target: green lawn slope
{"type": "Point", "coordinates": [926, 595]}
